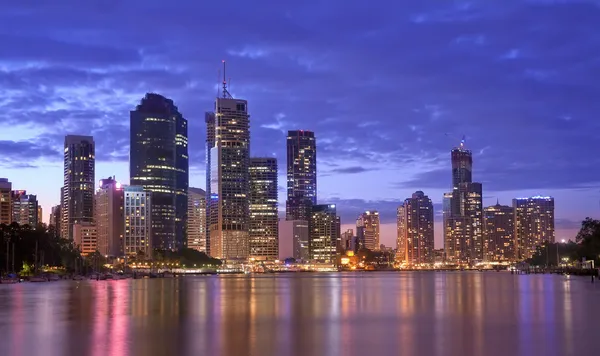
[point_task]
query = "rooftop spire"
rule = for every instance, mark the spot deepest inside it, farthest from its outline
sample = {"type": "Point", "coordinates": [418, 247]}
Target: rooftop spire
{"type": "Point", "coordinates": [226, 94]}
{"type": "Point", "coordinates": [462, 142]}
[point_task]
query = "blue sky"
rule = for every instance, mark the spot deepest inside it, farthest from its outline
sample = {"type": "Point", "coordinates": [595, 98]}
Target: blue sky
{"type": "Point", "coordinates": [389, 87]}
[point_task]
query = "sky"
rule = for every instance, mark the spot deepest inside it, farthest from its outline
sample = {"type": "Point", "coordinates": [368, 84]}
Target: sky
{"type": "Point", "coordinates": [388, 87]}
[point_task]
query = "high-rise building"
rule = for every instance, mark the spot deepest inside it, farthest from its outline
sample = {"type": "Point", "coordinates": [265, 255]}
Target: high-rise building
{"type": "Point", "coordinates": [324, 233]}
{"type": "Point", "coordinates": [229, 181]}
{"type": "Point", "coordinates": [5, 201]}
{"type": "Point", "coordinates": [138, 205]}
{"type": "Point", "coordinates": [158, 161]}
{"type": "Point", "coordinates": [463, 221]}
{"type": "Point", "coordinates": [109, 217]}
{"type": "Point", "coordinates": [368, 222]}
{"type": "Point", "coordinates": [416, 229]}
{"type": "Point", "coordinates": [264, 220]}
{"type": "Point", "coordinates": [499, 232]}
{"type": "Point", "coordinates": [447, 214]}
{"type": "Point", "coordinates": [78, 189]}
{"type": "Point", "coordinates": [210, 121]}
{"type": "Point", "coordinates": [301, 174]}
{"type": "Point", "coordinates": [40, 215]}
{"type": "Point", "coordinates": [85, 237]}
{"type": "Point", "coordinates": [401, 227]}
{"type": "Point", "coordinates": [196, 228]}
{"type": "Point", "coordinates": [55, 220]}
{"type": "Point", "coordinates": [294, 240]}
{"type": "Point", "coordinates": [534, 224]}
{"type": "Point", "coordinates": [24, 208]}
{"type": "Point", "coordinates": [347, 240]}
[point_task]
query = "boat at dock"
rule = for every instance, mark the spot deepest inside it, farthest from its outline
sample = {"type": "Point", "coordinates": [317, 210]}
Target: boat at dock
{"type": "Point", "coordinates": [38, 279]}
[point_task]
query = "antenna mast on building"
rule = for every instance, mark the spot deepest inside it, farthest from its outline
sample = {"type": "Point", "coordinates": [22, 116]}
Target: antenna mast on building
{"type": "Point", "coordinates": [226, 94]}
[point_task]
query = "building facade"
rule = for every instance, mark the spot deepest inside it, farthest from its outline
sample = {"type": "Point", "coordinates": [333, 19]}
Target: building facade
{"type": "Point", "coordinates": [196, 223]}
{"type": "Point", "coordinates": [324, 233]}
{"type": "Point", "coordinates": [109, 217]}
{"type": "Point", "coordinates": [301, 174]}
{"type": "Point", "coordinates": [499, 232]}
{"type": "Point", "coordinates": [159, 162]}
{"type": "Point", "coordinates": [25, 208]}
{"type": "Point", "coordinates": [5, 201]}
{"type": "Point", "coordinates": [137, 235]}
{"type": "Point", "coordinates": [416, 229]}
{"type": "Point", "coordinates": [228, 208]}
{"type": "Point", "coordinates": [85, 237]}
{"type": "Point", "coordinates": [264, 219]}
{"type": "Point", "coordinates": [77, 192]}
{"type": "Point", "coordinates": [368, 224]}
{"type": "Point", "coordinates": [534, 224]}
{"type": "Point", "coordinates": [55, 220]}
{"type": "Point", "coordinates": [294, 240]}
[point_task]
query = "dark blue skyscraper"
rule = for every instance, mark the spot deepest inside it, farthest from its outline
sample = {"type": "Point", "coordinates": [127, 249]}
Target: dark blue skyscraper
{"type": "Point", "coordinates": [158, 161]}
{"type": "Point", "coordinates": [301, 175]}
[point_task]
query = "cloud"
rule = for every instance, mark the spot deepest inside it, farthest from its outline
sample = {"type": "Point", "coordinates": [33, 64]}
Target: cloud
{"type": "Point", "coordinates": [349, 170]}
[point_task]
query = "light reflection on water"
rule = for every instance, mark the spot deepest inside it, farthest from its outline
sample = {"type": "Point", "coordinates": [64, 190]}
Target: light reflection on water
{"type": "Point", "coordinates": [418, 313]}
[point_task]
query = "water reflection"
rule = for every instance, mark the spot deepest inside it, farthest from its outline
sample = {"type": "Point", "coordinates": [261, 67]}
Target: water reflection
{"type": "Point", "coordinates": [468, 313]}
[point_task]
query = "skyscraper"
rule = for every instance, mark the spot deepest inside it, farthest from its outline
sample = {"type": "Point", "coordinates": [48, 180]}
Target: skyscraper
{"type": "Point", "coordinates": [55, 220]}
{"type": "Point", "coordinates": [463, 222]}
{"type": "Point", "coordinates": [229, 182]}
{"type": "Point", "coordinates": [401, 234]}
{"type": "Point", "coordinates": [5, 201]}
{"type": "Point", "coordinates": [109, 217]}
{"type": "Point", "coordinates": [324, 233]}
{"type": "Point", "coordinates": [40, 215]}
{"type": "Point", "coordinates": [209, 119]}
{"type": "Point", "coordinates": [416, 229]}
{"type": "Point", "coordinates": [368, 223]}
{"type": "Point", "coordinates": [447, 214]}
{"type": "Point", "coordinates": [196, 219]}
{"type": "Point", "coordinates": [24, 208]}
{"type": "Point", "coordinates": [78, 189]}
{"type": "Point", "coordinates": [534, 224]}
{"type": "Point", "coordinates": [301, 174]}
{"type": "Point", "coordinates": [137, 239]}
{"type": "Point", "coordinates": [159, 163]}
{"type": "Point", "coordinates": [264, 220]}
{"type": "Point", "coordinates": [499, 232]}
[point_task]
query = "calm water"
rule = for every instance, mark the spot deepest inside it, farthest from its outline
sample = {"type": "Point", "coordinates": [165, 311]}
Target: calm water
{"type": "Point", "coordinates": [461, 313]}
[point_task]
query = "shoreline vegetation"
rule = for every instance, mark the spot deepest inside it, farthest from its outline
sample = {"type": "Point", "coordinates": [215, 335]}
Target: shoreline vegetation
{"type": "Point", "coordinates": [27, 251]}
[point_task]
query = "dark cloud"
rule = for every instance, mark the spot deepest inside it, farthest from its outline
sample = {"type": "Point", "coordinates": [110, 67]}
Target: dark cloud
{"type": "Point", "coordinates": [23, 154]}
{"type": "Point", "coordinates": [349, 170]}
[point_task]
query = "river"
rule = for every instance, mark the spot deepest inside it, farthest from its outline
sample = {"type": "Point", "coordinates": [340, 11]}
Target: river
{"type": "Point", "coordinates": [372, 314]}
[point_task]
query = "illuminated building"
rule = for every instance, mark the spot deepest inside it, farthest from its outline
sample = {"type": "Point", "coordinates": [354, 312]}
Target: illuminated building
{"type": "Point", "coordinates": [401, 227]}
{"type": "Point", "coordinates": [534, 224]}
{"type": "Point", "coordinates": [368, 225]}
{"type": "Point", "coordinates": [294, 240]}
{"type": "Point", "coordinates": [40, 214]}
{"type": "Point", "coordinates": [301, 174]}
{"type": "Point", "coordinates": [209, 119]}
{"type": "Point", "coordinates": [196, 222]}
{"type": "Point", "coordinates": [5, 201]}
{"type": "Point", "coordinates": [264, 220]}
{"type": "Point", "coordinates": [229, 181]}
{"type": "Point", "coordinates": [499, 232]}
{"type": "Point", "coordinates": [85, 237]}
{"type": "Point", "coordinates": [77, 192]}
{"type": "Point", "coordinates": [415, 230]}
{"type": "Point", "coordinates": [138, 205]}
{"type": "Point", "coordinates": [447, 214]}
{"type": "Point", "coordinates": [55, 219]}
{"type": "Point", "coordinates": [24, 208]}
{"type": "Point", "coordinates": [109, 217]}
{"type": "Point", "coordinates": [158, 162]}
{"type": "Point", "coordinates": [463, 219]}
{"type": "Point", "coordinates": [324, 233]}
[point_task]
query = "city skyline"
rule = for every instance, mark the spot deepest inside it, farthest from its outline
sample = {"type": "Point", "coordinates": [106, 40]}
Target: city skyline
{"type": "Point", "coordinates": [371, 157]}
